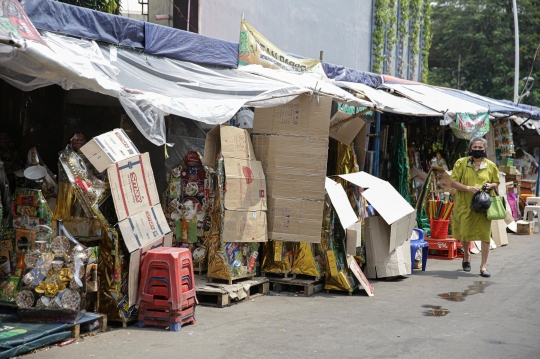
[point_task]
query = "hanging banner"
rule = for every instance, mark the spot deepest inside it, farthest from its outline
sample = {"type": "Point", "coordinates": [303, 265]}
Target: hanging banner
{"type": "Point", "coordinates": [255, 49]}
{"type": "Point", "coordinates": [467, 126]}
{"type": "Point", "coordinates": [15, 24]}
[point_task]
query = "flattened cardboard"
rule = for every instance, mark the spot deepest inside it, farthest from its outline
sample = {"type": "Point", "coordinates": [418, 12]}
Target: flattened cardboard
{"type": "Point", "coordinates": [133, 186]}
{"type": "Point", "coordinates": [346, 132]}
{"type": "Point", "coordinates": [295, 220]}
{"type": "Point", "coordinates": [295, 167]}
{"type": "Point", "coordinates": [341, 203]}
{"type": "Point", "coordinates": [357, 272]}
{"type": "Point", "coordinates": [379, 262]}
{"type": "Point", "coordinates": [135, 261]}
{"type": "Point", "coordinates": [498, 233]}
{"type": "Point", "coordinates": [245, 185]}
{"type": "Point", "coordinates": [144, 228]}
{"type": "Point", "coordinates": [108, 148]}
{"type": "Point", "coordinates": [241, 226]}
{"type": "Point", "coordinates": [232, 142]}
{"type": "Point", "coordinates": [304, 116]}
{"type": "Point", "coordinates": [401, 230]}
{"type": "Point", "coordinates": [354, 238]}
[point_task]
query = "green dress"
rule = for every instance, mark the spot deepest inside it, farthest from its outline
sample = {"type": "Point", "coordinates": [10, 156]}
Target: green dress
{"type": "Point", "coordinates": [467, 224]}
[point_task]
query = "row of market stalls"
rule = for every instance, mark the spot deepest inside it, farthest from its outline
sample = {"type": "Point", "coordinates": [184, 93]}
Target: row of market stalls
{"type": "Point", "coordinates": [255, 169]}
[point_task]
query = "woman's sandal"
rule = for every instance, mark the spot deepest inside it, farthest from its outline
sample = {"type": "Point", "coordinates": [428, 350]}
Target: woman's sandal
{"type": "Point", "coordinates": [485, 273]}
{"type": "Point", "coordinates": [466, 266]}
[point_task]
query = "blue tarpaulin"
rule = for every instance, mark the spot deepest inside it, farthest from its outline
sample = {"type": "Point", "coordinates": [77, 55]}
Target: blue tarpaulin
{"type": "Point", "coordinates": [188, 46]}
{"type": "Point", "coordinates": [76, 21]}
{"type": "Point", "coordinates": [57, 17]}
{"type": "Point", "coordinates": [341, 73]}
{"type": "Point", "coordinates": [535, 111]}
{"type": "Point", "coordinates": [492, 105]}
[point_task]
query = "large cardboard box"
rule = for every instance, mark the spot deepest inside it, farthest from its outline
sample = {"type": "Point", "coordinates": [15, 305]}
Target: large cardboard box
{"type": "Point", "coordinates": [295, 219]}
{"type": "Point", "coordinates": [144, 227]}
{"type": "Point", "coordinates": [304, 116]}
{"type": "Point", "coordinates": [379, 262]}
{"type": "Point", "coordinates": [231, 142]}
{"type": "Point", "coordinates": [345, 130]}
{"type": "Point", "coordinates": [399, 216]}
{"type": "Point", "coordinates": [245, 184]}
{"type": "Point", "coordinates": [109, 148]}
{"type": "Point", "coordinates": [133, 186]}
{"type": "Point", "coordinates": [295, 167]}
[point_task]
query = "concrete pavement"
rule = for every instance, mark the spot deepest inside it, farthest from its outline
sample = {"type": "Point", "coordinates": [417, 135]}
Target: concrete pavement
{"type": "Point", "coordinates": [499, 318]}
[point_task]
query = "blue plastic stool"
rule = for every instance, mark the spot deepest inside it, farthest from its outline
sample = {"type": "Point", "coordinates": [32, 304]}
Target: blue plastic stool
{"type": "Point", "coordinates": [415, 245]}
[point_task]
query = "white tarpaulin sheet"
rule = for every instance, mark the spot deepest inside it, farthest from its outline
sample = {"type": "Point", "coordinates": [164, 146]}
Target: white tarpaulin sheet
{"type": "Point", "coordinates": [321, 86]}
{"type": "Point", "coordinates": [148, 87]}
{"type": "Point", "coordinates": [390, 103]}
{"type": "Point", "coordinates": [437, 100]}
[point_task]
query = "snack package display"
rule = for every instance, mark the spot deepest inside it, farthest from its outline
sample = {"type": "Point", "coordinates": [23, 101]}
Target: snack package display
{"type": "Point", "coordinates": [504, 142]}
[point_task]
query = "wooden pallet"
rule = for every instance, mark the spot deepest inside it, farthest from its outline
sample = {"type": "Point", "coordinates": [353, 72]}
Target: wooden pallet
{"type": "Point", "coordinates": [307, 287]}
{"type": "Point", "coordinates": [230, 280]}
{"type": "Point", "coordinates": [277, 275]}
{"type": "Point", "coordinates": [343, 292]}
{"type": "Point", "coordinates": [217, 295]}
{"type": "Point", "coordinates": [83, 325]}
{"type": "Point", "coordinates": [198, 269]}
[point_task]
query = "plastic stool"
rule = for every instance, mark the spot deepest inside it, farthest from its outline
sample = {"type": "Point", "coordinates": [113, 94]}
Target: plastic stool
{"type": "Point", "coordinates": [532, 210]}
{"type": "Point", "coordinates": [415, 245]}
{"type": "Point", "coordinates": [531, 201]}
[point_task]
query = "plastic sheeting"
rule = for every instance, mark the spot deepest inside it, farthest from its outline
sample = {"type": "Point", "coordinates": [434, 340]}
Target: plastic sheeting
{"type": "Point", "coordinates": [148, 87]}
{"type": "Point", "coordinates": [77, 21]}
{"type": "Point", "coordinates": [188, 46]}
{"type": "Point", "coordinates": [437, 100]}
{"type": "Point", "coordinates": [535, 111]}
{"type": "Point", "coordinates": [341, 73]}
{"type": "Point", "coordinates": [308, 81]}
{"type": "Point", "coordinates": [492, 105]}
{"type": "Point", "coordinates": [390, 103]}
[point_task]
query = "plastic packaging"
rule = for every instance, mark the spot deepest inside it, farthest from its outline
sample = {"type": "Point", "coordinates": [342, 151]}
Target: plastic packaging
{"type": "Point", "coordinates": [481, 202]}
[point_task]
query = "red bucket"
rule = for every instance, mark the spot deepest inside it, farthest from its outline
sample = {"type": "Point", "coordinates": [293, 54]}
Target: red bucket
{"type": "Point", "coordinates": [439, 228]}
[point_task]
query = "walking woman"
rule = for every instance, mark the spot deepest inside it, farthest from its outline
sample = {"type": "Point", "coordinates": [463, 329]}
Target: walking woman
{"type": "Point", "coordinates": [468, 176]}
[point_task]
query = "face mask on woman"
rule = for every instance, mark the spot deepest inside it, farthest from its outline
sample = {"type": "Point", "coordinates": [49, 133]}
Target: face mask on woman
{"type": "Point", "coordinates": [478, 153]}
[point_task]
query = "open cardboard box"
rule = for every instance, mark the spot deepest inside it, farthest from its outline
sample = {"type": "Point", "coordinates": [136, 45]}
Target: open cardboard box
{"type": "Point", "coordinates": [387, 235]}
{"type": "Point", "coordinates": [245, 199]}
{"type": "Point", "coordinates": [345, 132]}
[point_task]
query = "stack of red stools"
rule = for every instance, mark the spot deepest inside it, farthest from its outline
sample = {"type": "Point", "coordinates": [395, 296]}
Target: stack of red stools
{"type": "Point", "coordinates": [167, 289]}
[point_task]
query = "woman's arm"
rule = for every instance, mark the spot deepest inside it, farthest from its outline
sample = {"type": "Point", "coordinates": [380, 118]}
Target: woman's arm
{"type": "Point", "coordinates": [462, 187]}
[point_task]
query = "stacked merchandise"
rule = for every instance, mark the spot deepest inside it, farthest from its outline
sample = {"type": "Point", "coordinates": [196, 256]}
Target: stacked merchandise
{"type": "Point", "coordinates": [160, 301]}
{"type": "Point", "coordinates": [140, 216]}
{"type": "Point", "coordinates": [239, 213]}
{"type": "Point", "coordinates": [187, 204]}
{"type": "Point", "coordinates": [291, 141]}
{"type": "Point", "coordinates": [504, 141]}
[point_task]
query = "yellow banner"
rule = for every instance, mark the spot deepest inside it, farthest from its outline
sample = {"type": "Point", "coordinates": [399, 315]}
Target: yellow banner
{"type": "Point", "coordinates": [254, 48]}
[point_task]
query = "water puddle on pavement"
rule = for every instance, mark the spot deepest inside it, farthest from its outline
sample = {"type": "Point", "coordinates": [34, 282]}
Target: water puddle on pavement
{"type": "Point", "coordinates": [477, 287]}
{"type": "Point", "coordinates": [435, 311]}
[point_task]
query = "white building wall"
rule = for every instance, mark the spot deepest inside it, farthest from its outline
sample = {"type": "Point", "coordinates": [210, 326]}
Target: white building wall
{"type": "Point", "coordinates": [340, 28]}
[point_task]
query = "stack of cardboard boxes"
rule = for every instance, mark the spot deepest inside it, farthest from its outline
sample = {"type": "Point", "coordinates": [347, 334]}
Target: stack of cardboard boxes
{"type": "Point", "coordinates": [136, 200]}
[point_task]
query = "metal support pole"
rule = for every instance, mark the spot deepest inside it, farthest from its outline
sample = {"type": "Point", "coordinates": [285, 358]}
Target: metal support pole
{"type": "Point", "coordinates": [377, 144]}
{"type": "Point", "coordinates": [516, 50]}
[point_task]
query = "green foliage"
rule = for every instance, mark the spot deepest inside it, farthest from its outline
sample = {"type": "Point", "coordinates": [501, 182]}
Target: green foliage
{"type": "Point", "coordinates": [109, 6]}
{"type": "Point", "coordinates": [414, 44]}
{"type": "Point", "coordinates": [379, 34]}
{"type": "Point", "coordinates": [482, 32]}
{"type": "Point", "coordinates": [391, 38]}
{"type": "Point", "coordinates": [403, 29]}
{"type": "Point", "coordinates": [426, 43]}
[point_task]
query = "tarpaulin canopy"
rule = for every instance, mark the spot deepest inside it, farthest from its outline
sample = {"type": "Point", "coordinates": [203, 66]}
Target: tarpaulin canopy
{"type": "Point", "coordinates": [391, 103]}
{"type": "Point", "coordinates": [494, 106]}
{"type": "Point", "coordinates": [534, 111]}
{"type": "Point", "coordinates": [437, 100]}
{"type": "Point", "coordinates": [342, 73]}
{"type": "Point", "coordinates": [307, 80]}
{"type": "Point", "coordinates": [148, 87]}
{"type": "Point", "coordinates": [155, 39]}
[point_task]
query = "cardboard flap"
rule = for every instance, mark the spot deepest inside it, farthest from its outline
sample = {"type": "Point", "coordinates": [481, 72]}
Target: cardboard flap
{"type": "Point", "coordinates": [341, 203]}
{"type": "Point", "coordinates": [109, 148]}
{"type": "Point", "coordinates": [133, 187]}
{"type": "Point", "coordinates": [346, 132]}
{"type": "Point", "coordinates": [232, 142]}
{"type": "Point", "coordinates": [245, 185]}
{"type": "Point", "coordinates": [401, 230]}
{"type": "Point", "coordinates": [240, 226]}
{"type": "Point", "coordinates": [357, 272]}
{"type": "Point", "coordinates": [388, 202]}
{"type": "Point", "coordinates": [362, 179]}
{"type": "Point", "coordinates": [211, 147]}
{"type": "Point", "coordinates": [143, 228]}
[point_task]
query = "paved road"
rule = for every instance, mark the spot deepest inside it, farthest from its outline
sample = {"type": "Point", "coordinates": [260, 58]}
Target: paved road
{"type": "Point", "coordinates": [497, 319]}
